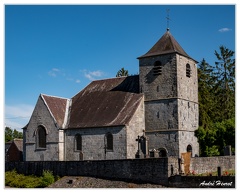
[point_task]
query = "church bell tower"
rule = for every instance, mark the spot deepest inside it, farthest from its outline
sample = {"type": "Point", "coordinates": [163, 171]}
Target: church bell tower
{"type": "Point", "coordinates": [168, 80]}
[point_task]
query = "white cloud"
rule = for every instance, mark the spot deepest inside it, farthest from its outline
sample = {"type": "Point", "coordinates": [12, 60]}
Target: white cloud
{"type": "Point", "coordinates": [17, 116]}
{"type": "Point", "coordinates": [93, 75]}
{"type": "Point", "coordinates": [53, 72]}
{"type": "Point", "coordinates": [77, 81]}
{"type": "Point", "coordinates": [56, 72]}
{"type": "Point", "coordinates": [224, 29]}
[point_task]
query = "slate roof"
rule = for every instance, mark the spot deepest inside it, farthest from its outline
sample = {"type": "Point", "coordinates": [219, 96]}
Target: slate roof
{"type": "Point", "coordinates": [109, 102]}
{"type": "Point", "coordinates": [57, 106]}
{"type": "Point", "coordinates": [19, 144]}
{"type": "Point", "coordinates": [166, 45]}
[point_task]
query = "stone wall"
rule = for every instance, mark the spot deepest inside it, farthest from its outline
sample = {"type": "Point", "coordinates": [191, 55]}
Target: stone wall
{"type": "Point", "coordinates": [162, 86]}
{"type": "Point", "coordinates": [151, 170]}
{"type": "Point", "coordinates": [135, 127]}
{"type": "Point", "coordinates": [187, 88]}
{"type": "Point", "coordinates": [166, 140]}
{"type": "Point", "coordinates": [161, 115]}
{"type": "Point", "coordinates": [209, 164]}
{"type": "Point", "coordinates": [41, 116]}
{"type": "Point", "coordinates": [94, 143]}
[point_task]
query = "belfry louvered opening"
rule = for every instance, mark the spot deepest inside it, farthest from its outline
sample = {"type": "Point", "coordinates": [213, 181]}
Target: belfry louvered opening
{"type": "Point", "coordinates": [188, 70]}
{"type": "Point", "coordinates": [157, 69]}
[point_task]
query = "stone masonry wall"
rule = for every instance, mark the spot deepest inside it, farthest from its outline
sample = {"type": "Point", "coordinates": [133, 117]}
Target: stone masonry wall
{"type": "Point", "coordinates": [187, 88]}
{"type": "Point", "coordinates": [161, 86]}
{"type": "Point", "coordinates": [135, 127]}
{"type": "Point", "coordinates": [167, 140]}
{"type": "Point", "coordinates": [209, 164]}
{"type": "Point", "coordinates": [94, 142]}
{"type": "Point", "coordinates": [152, 170]}
{"type": "Point", "coordinates": [188, 138]}
{"type": "Point", "coordinates": [161, 115]}
{"type": "Point", "coordinates": [41, 116]}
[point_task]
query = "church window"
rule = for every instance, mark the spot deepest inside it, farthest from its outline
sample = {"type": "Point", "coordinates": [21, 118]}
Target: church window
{"type": "Point", "coordinates": [109, 141]}
{"type": "Point", "coordinates": [162, 152]}
{"type": "Point", "coordinates": [189, 149]}
{"type": "Point", "coordinates": [157, 69]}
{"type": "Point", "coordinates": [78, 142]}
{"type": "Point", "coordinates": [157, 88]}
{"type": "Point", "coordinates": [41, 137]}
{"type": "Point", "coordinates": [188, 70]}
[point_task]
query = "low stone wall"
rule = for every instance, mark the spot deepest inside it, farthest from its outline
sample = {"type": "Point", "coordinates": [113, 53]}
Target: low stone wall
{"type": "Point", "coordinates": [149, 170]}
{"type": "Point", "coordinates": [209, 164]}
{"type": "Point", "coordinates": [152, 170]}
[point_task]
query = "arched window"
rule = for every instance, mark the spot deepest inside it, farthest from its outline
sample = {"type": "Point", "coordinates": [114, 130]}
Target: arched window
{"type": "Point", "coordinates": [157, 69]}
{"type": "Point", "coordinates": [162, 152]}
{"type": "Point", "coordinates": [78, 142]}
{"type": "Point", "coordinates": [109, 141]}
{"type": "Point", "coordinates": [189, 148]}
{"type": "Point", "coordinates": [41, 137]}
{"type": "Point", "coordinates": [188, 70]}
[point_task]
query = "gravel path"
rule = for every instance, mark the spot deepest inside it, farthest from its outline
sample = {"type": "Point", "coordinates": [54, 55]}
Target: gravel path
{"type": "Point", "coordinates": [91, 182]}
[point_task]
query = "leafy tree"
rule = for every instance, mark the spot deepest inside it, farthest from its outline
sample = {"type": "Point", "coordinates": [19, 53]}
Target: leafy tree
{"type": "Point", "coordinates": [216, 104]}
{"type": "Point", "coordinates": [12, 134]}
{"type": "Point", "coordinates": [218, 135]}
{"type": "Point", "coordinates": [8, 134]}
{"type": "Point", "coordinates": [122, 72]}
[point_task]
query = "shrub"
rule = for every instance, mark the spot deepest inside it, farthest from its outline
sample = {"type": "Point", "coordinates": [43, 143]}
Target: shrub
{"type": "Point", "coordinates": [47, 178]}
{"type": "Point", "coordinates": [13, 179]}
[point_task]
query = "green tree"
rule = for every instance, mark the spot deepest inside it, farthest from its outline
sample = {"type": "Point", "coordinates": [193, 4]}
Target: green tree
{"type": "Point", "coordinates": [122, 72]}
{"type": "Point", "coordinates": [216, 104]}
{"type": "Point", "coordinates": [8, 134]}
{"type": "Point", "coordinates": [225, 84]}
{"type": "Point", "coordinates": [205, 93]}
{"type": "Point", "coordinates": [213, 139]}
{"type": "Point", "coordinates": [12, 134]}
{"type": "Point", "coordinates": [17, 134]}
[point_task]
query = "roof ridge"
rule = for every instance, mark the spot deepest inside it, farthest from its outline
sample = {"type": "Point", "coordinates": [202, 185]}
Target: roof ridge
{"type": "Point", "coordinates": [114, 78]}
{"type": "Point", "coordinates": [54, 96]}
{"type": "Point", "coordinates": [121, 77]}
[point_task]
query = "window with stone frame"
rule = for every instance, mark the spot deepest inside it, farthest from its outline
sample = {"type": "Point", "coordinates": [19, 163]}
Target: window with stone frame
{"type": "Point", "coordinates": [157, 69]}
{"type": "Point", "coordinates": [41, 137]}
{"type": "Point", "coordinates": [78, 142]}
{"type": "Point", "coordinates": [109, 142]}
{"type": "Point", "coordinates": [188, 70]}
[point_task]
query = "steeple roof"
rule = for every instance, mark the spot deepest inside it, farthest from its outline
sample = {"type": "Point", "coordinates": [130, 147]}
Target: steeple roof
{"type": "Point", "coordinates": [166, 45]}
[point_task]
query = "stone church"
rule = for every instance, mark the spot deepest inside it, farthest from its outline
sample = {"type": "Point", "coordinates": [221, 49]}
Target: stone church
{"type": "Point", "coordinates": [151, 114]}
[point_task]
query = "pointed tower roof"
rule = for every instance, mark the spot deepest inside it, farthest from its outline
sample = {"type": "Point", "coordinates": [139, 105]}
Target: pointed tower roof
{"type": "Point", "coordinates": [166, 45]}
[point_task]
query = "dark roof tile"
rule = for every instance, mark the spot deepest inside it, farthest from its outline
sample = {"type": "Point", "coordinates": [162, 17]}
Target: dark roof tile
{"type": "Point", "coordinates": [57, 106]}
{"type": "Point", "coordinates": [110, 102]}
{"type": "Point", "coordinates": [166, 45]}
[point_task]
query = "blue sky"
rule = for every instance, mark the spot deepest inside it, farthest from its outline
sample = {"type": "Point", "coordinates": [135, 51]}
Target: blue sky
{"type": "Point", "coordinates": [59, 50]}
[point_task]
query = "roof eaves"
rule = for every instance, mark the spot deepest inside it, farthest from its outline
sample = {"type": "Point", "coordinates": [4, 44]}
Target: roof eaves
{"type": "Point", "coordinates": [67, 113]}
